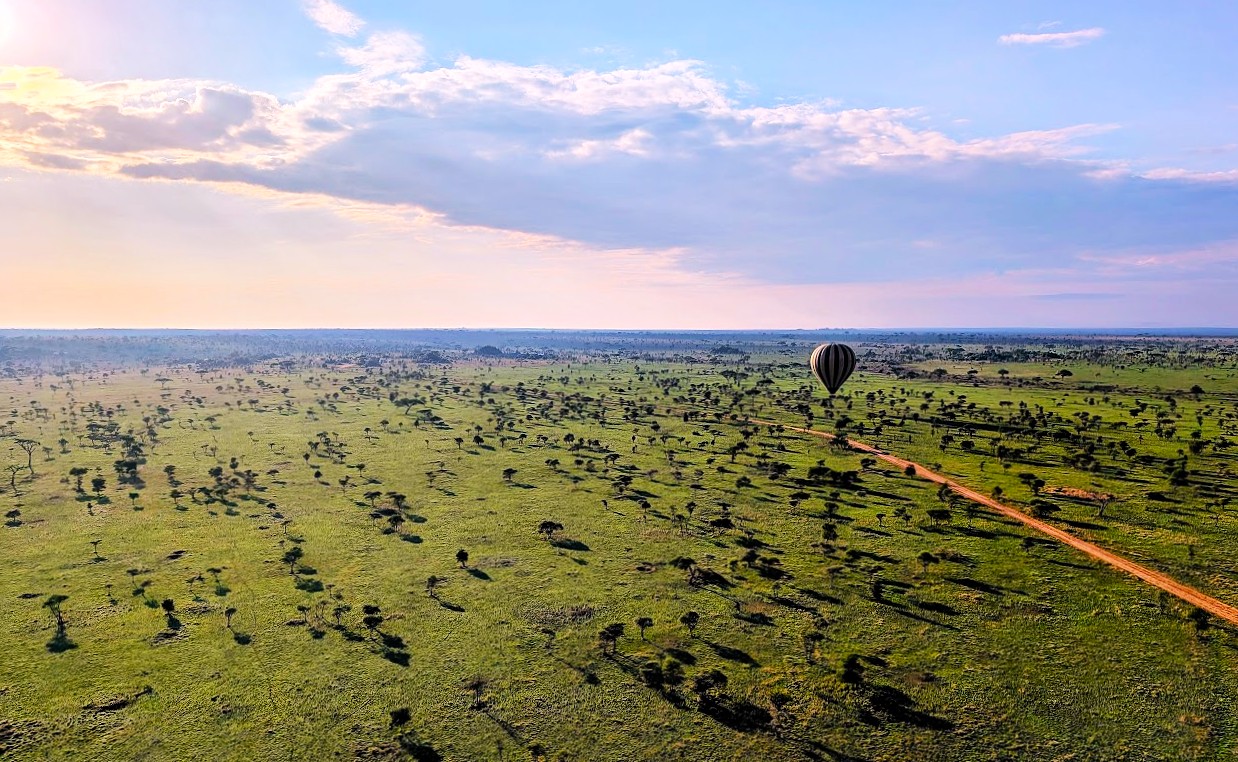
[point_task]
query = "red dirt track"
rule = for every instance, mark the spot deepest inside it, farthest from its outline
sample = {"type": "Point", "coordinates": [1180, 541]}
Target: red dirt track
{"type": "Point", "coordinates": [1189, 594]}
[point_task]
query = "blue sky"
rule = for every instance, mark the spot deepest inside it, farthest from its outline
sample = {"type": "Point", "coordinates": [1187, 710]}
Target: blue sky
{"type": "Point", "coordinates": [690, 164]}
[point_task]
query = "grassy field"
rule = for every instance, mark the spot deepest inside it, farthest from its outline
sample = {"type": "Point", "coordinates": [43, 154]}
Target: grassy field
{"type": "Point", "coordinates": [268, 598]}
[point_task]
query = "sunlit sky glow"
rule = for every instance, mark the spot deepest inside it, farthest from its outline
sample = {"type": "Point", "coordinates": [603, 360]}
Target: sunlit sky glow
{"type": "Point", "coordinates": [373, 163]}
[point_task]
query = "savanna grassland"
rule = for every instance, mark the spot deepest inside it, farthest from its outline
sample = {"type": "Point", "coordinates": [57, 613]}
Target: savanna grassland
{"type": "Point", "coordinates": [580, 547]}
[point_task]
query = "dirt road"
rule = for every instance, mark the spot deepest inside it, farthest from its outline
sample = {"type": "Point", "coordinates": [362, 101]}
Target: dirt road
{"type": "Point", "coordinates": [1189, 594]}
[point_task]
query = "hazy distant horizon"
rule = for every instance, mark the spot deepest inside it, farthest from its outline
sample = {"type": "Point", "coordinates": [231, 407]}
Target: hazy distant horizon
{"type": "Point", "coordinates": [1183, 331]}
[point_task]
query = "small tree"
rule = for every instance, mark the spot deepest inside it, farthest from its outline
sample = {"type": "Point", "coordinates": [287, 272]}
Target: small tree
{"type": "Point", "coordinates": [549, 528]}
{"type": "Point", "coordinates": [29, 446]}
{"type": "Point", "coordinates": [53, 604]}
{"type": "Point", "coordinates": [432, 583]}
{"type": "Point", "coordinates": [292, 556]}
{"type": "Point", "coordinates": [687, 564]}
{"type": "Point", "coordinates": [609, 636]}
{"type": "Point", "coordinates": [462, 558]}
{"type": "Point", "coordinates": [690, 620]}
{"type": "Point", "coordinates": [477, 685]}
{"type": "Point", "coordinates": [643, 623]}
{"type": "Point", "coordinates": [372, 618]}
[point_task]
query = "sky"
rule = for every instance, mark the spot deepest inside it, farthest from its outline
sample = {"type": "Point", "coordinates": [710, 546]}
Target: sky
{"type": "Point", "coordinates": [702, 165]}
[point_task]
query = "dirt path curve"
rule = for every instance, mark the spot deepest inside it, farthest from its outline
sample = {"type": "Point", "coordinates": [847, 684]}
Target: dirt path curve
{"type": "Point", "coordinates": [1189, 594]}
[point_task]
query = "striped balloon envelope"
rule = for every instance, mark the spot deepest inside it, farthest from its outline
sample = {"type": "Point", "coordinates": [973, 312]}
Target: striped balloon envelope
{"type": "Point", "coordinates": [832, 364]}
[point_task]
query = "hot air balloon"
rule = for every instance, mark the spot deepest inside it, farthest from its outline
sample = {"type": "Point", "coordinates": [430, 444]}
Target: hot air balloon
{"type": "Point", "coordinates": [832, 364]}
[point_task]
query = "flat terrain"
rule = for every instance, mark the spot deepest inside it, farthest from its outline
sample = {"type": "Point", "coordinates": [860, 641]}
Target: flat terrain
{"type": "Point", "coordinates": [268, 567]}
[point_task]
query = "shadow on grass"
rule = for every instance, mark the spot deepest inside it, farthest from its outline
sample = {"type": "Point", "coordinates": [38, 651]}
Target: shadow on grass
{"type": "Point", "coordinates": [818, 596]}
{"type": "Point", "coordinates": [738, 714]}
{"type": "Point", "coordinates": [730, 653]}
{"type": "Point", "coordinates": [479, 574]}
{"type": "Point", "coordinates": [60, 644]}
{"type": "Point", "coordinates": [570, 545]}
{"type": "Point", "coordinates": [974, 584]}
{"type": "Point", "coordinates": [889, 704]}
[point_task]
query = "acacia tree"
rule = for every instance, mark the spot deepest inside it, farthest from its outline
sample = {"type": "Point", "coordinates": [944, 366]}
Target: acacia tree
{"type": "Point", "coordinates": [687, 564]}
{"type": "Point", "coordinates": [53, 604]}
{"type": "Point", "coordinates": [14, 469]}
{"type": "Point", "coordinates": [690, 620]}
{"type": "Point", "coordinates": [462, 558]}
{"type": "Point", "coordinates": [477, 685]}
{"type": "Point", "coordinates": [292, 556]}
{"type": "Point", "coordinates": [609, 636]}
{"type": "Point", "coordinates": [29, 445]}
{"type": "Point", "coordinates": [549, 528]}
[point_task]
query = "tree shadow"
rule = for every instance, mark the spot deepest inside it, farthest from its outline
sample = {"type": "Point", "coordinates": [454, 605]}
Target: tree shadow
{"type": "Point", "coordinates": [975, 584]}
{"type": "Point", "coordinates": [479, 574]}
{"type": "Point", "coordinates": [504, 725]}
{"type": "Point", "coordinates": [570, 545]}
{"type": "Point", "coordinates": [872, 531]}
{"type": "Point", "coordinates": [902, 611]}
{"type": "Point", "coordinates": [395, 656]}
{"type": "Point", "coordinates": [936, 608]}
{"type": "Point", "coordinates": [889, 704]}
{"type": "Point", "coordinates": [1085, 525]}
{"type": "Point", "coordinates": [730, 653]}
{"type": "Point", "coordinates": [60, 644]}
{"type": "Point", "coordinates": [740, 715]}
{"type": "Point", "coordinates": [450, 606]}
{"type": "Point", "coordinates": [792, 604]}
{"type": "Point", "coordinates": [242, 638]}
{"type": "Point", "coordinates": [1069, 564]}
{"type": "Point", "coordinates": [817, 596]}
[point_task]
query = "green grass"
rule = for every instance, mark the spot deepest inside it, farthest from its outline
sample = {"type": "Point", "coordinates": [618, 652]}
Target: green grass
{"type": "Point", "coordinates": [999, 653]}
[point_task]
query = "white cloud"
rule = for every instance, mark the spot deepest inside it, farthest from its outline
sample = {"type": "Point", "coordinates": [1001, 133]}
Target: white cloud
{"type": "Point", "coordinates": [332, 17]}
{"type": "Point", "coordinates": [1218, 176]}
{"type": "Point", "coordinates": [1054, 39]}
{"type": "Point", "coordinates": [633, 143]}
{"type": "Point", "coordinates": [661, 157]}
{"type": "Point", "coordinates": [385, 53]}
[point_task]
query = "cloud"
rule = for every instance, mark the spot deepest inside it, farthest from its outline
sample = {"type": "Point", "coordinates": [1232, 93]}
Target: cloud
{"type": "Point", "coordinates": [1054, 39]}
{"type": "Point", "coordinates": [634, 142]}
{"type": "Point", "coordinates": [1170, 173]}
{"type": "Point", "coordinates": [332, 17]}
{"type": "Point", "coordinates": [1076, 296]}
{"type": "Point", "coordinates": [662, 159]}
{"type": "Point", "coordinates": [385, 53]}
